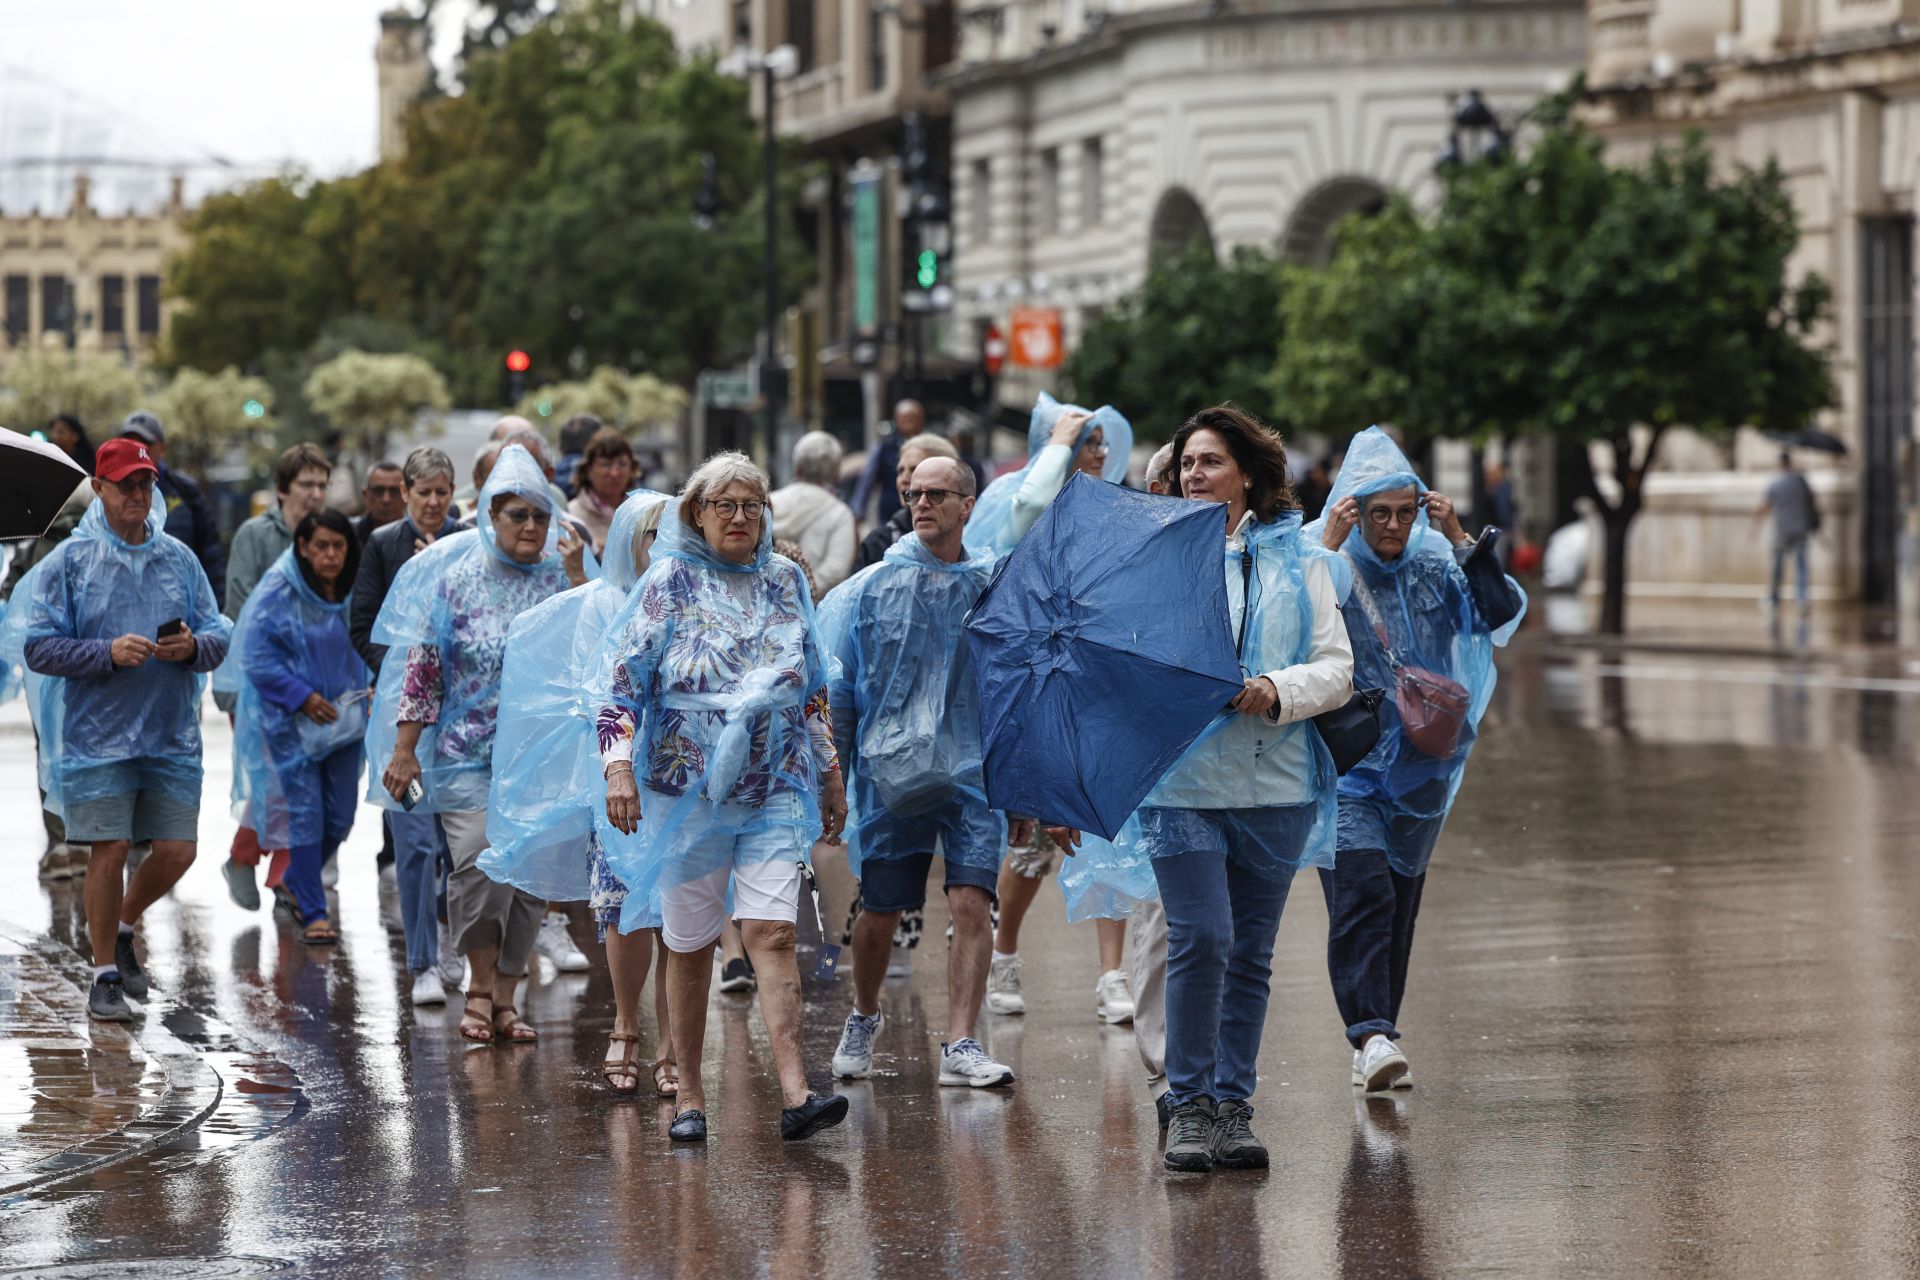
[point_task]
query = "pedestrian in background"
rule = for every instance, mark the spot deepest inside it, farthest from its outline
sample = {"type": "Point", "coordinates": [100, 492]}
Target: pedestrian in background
{"type": "Point", "coordinates": [883, 460]}
{"type": "Point", "coordinates": [71, 439]}
{"type": "Point", "coordinates": [1427, 608]}
{"type": "Point", "coordinates": [1796, 518]}
{"type": "Point", "coordinates": [434, 716]}
{"type": "Point", "coordinates": [123, 618]}
{"type": "Point", "coordinates": [301, 713]}
{"type": "Point", "coordinates": [809, 510]}
{"type": "Point", "coordinates": [574, 434]}
{"type": "Point", "coordinates": [188, 517]}
{"type": "Point", "coordinates": [383, 499]}
{"type": "Point", "coordinates": [712, 691]}
{"type": "Point", "coordinates": [600, 482]}
{"type": "Point", "coordinates": [873, 547]}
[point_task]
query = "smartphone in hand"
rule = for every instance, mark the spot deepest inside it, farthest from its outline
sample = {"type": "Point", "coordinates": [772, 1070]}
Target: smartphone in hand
{"type": "Point", "coordinates": [414, 795]}
{"type": "Point", "coordinates": [173, 628]}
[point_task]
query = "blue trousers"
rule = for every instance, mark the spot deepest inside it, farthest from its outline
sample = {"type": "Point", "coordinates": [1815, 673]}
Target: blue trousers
{"type": "Point", "coordinates": [420, 866]}
{"type": "Point", "coordinates": [1370, 914]}
{"type": "Point", "coordinates": [339, 792]}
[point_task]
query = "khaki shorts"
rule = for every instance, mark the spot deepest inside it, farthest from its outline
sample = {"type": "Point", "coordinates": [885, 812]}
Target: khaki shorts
{"type": "Point", "coordinates": [1036, 859]}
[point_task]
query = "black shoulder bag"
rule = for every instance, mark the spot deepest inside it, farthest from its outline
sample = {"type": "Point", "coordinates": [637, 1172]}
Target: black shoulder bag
{"type": "Point", "coordinates": [1350, 732]}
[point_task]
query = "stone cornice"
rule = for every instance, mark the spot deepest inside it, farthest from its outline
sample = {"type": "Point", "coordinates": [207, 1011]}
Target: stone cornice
{"type": "Point", "coordinates": [1873, 62]}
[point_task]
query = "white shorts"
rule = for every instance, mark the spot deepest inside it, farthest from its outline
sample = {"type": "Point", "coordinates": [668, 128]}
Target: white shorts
{"type": "Point", "coordinates": [766, 886]}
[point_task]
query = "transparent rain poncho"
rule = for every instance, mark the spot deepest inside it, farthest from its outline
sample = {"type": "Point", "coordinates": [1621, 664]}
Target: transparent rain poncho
{"type": "Point", "coordinates": [140, 727]}
{"type": "Point", "coordinates": [547, 785]}
{"type": "Point", "coordinates": [997, 524]}
{"type": "Point", "coordinates": [457, 598]}
{"type": "Point", "coordinates": [709, 667]}
{"type": "Point", "coordinates": [288, 639]}
{"type": "Point", "coordinates": [1243, 765]}
{"type": "Point", "coordinates": [912, 744]}
{"type": "Point", "coordinates": [1422, 601]}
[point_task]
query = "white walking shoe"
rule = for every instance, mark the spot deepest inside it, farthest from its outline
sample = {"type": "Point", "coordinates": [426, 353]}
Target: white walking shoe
{"type": "Point", "coordinates": [1381, 1065]}
{"type": "Point", "coordinates": [452, 965]}
{"type": "Point", "coordinates": [427, 988]}
{"type": "Point", "coordinates": [853, 1060]}
{"type": "Point", "coordinates": [964, 1062]}
{"type": "Point", "coordinates": [1112, 998]}
{"type": "Point", "coordinates": [556, 945]}
{"type": "Point", "coordinates": [1003, 987]}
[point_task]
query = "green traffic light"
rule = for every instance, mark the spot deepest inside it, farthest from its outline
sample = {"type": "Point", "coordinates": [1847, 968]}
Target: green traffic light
{"type": "Point", "coordinates": [929, 273]}
{"type": "Point", "coordinates": [254, 409]}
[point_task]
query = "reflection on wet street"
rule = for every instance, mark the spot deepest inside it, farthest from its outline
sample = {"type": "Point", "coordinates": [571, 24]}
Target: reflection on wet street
{"type": "Point", "coordinates": [1658, 1019]}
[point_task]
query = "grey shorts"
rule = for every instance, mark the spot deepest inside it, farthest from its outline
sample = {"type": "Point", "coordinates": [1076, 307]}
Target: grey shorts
{"type": "Point", "coordinates": [145, 814]}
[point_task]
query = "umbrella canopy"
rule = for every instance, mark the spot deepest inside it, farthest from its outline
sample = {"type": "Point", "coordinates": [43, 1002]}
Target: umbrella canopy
{"type": "Point", "coordinates": [35, 479]}
{"type": "Point", "coordinates": [1811, 438]}
{"type": "Point", "coordinates": [1102, 651]}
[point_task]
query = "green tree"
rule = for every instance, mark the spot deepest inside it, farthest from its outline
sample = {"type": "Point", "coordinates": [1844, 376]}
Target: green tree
{"type": "Point", "coordinates": [369, 397]}
{"type": "Point", "coordinates": [100, 390]}
{"type": "Point", "coordinates": [630, 402]}
{"type": "Point", "coordinates": [206, 414]}
{"type": "Point", "coordinates": [1196, 332]}
{"type": "Point", "coordinates": [1561, 294]}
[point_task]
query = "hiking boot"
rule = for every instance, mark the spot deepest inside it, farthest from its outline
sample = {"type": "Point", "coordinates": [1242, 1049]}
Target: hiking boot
{"type": "Point", "coordinates": [1112, 1000]}
{"type": "Point", "coordinates": [1003, 987]}
{"type": "Point", "coordinates": [1234, 1146]}
{"type": "Point", "coordinates": [1190, 1137]}
{"type": "Point", "coordinates": [736, 976]}
{"type": "Point", "coordinates": [1381, 1065]}
{"type": "Point", "coordinates": [964, 1062]}
{"type": "Point", "coordinates": [811, 1116]}
{"type": "Point", "coordinates": [853, 1060]}
{"type": "Point", "coordinates": [132, 976]}
{"type": "Point", "coordinates": [240, 886]}
{"type": "Point", "coordinates": [107, 1001]}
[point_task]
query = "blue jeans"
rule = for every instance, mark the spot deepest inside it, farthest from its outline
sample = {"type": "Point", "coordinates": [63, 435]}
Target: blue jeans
{"type": "Point", "coordinates": [420, 862]}
{"type": "Point", "coordinates": [1221, 922]}
{"type": "Point", "coordinates": [1370, 914]}
{"type": "Point", "coordinates": [1797, 548]}
{"type": "Point", "coordinates": [339, 800]}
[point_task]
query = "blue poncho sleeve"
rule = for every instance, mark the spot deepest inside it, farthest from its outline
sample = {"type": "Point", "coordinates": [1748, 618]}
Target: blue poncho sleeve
{"type": "Point", "coordinates": [993, 526]}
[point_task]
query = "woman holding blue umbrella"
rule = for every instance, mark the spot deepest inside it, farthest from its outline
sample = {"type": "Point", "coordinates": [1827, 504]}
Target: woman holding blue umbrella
{"type": "Point", "coordinates": [1251, 803]}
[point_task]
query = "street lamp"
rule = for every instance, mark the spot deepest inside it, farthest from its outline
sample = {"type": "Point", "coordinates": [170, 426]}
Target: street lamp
{"type": "Point", "coordinates": [779, 64]}
{"type": "Point", "coordinates": [1477, 133]}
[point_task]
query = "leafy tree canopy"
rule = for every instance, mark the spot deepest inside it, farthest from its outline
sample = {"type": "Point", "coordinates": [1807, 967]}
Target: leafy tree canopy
{"type": "Point", "coordinates": [628, 402]}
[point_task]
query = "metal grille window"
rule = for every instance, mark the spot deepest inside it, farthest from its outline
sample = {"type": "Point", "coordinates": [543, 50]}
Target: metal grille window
{"type": "Point", "coordinates": [149, 305]}
{"type": "Point", "coordinates": [19, 298]}
{"type": "Point", "coordinates": [56, 305]}
{"type": "Point", "coordinates": [113, 305]}
{"type": "Point", "coordinates": [1092, 183]}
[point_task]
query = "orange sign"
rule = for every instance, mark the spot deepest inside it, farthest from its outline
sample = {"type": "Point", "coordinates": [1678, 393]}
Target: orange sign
{"type": "Point", "coordinates": [1038, 341]}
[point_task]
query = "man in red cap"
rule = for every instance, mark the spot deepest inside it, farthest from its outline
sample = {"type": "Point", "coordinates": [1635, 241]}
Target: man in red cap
{"type": "Point", "coordinates": [121, 619]}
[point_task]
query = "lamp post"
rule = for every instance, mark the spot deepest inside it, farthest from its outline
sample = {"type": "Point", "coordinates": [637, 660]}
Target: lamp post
{"type": "Point", "coordinates": [778, 64]}
{"type": "Point", "coordinates": [1476, 133]}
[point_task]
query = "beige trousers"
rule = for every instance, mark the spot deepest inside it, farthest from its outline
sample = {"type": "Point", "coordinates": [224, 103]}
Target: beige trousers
{"type": "Point", "coordinates": [482, 912]}
{"type": "Point", "coordinates": [1147, 975]}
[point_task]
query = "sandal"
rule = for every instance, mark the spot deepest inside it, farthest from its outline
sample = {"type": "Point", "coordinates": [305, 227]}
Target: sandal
{"type": "Point", "coordinates": [320, 933]}
{"type": "Point", "coordinates": [515, 1030]}
{"type": "Point", "coordinates": [477, 1027]}
{"type": "Point", "coordinates": [666, 1077]}
{"type": "Point", "coordinates": [622, 1071]}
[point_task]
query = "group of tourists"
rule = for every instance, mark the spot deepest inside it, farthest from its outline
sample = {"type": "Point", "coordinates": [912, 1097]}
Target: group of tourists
{"type": "Point", "coordinates": [651, 710]}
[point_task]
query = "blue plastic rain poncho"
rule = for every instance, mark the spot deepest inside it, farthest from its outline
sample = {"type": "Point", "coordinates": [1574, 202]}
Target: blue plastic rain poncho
{"type": "Point", "coordinates": [1280, 776]}
{"type": "Point", "coordinates": [1415, 612]}
{"type": "Point", "coordinates": [447, 614]}
{"type": "Point", "coordinates": [1004, 512]}
{"type": "Point", "coordinates": [906, 714]}
{"type": "Point", "coordinates": [290, 642]}
{"type": "Point", "coordinates": [132, 727]}
{"type": "Point", "coordinates": [547, 783]}
{"type": "Point", "coordinates": [705, 677]}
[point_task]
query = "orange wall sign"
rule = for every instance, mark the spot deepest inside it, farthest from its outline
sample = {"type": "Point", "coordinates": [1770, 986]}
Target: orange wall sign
{"type": "Point", "coordinates": [1038, 340]}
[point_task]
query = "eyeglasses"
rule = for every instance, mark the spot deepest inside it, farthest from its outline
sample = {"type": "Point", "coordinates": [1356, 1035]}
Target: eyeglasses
{"type": "Point", "coordinates": [1392, 515]}
{"type": "Point", "coordinates": [727, 508]}
{"type": "Point", "coordinates": [934, 497]}
{"type": "Point", "coordinates": [140, 482]}
{"type": "Point", "coordinates": [1097, 446]}
{"type": "Point", "coordinates": [520, 515]}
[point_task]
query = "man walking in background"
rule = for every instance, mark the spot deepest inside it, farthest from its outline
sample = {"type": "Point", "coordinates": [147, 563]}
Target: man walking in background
{"type": "Point", "coordinates": [189, 519]}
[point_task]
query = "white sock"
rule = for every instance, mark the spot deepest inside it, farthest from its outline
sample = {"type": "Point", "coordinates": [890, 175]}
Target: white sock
{"type": "Point", "coordinates": [1012, 956]}
{"type": "Point", "coordinates": [102, 970]}
{"type": "Point", "coordinates": [126, 930]}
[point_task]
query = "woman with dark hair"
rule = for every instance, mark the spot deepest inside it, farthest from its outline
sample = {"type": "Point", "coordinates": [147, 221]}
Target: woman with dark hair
{"type": "Point", "coordinates": [301, 711]}
{"type": "Point", "coordinates": [600, 484]}
{"type": "Point", "coordinates": [71, 438]}
{"type": "Point", "coordinates": [1253, 801]}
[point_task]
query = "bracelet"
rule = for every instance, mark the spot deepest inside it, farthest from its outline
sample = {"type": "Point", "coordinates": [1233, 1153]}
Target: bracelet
{"type": "Point", "coordinates": [617, 764]}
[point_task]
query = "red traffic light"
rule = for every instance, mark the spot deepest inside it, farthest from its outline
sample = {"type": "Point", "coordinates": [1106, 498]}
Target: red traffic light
{"type": "Point", "coordinates": [993, 350]}
{"type": "Point", "coordinates": [519, 362]}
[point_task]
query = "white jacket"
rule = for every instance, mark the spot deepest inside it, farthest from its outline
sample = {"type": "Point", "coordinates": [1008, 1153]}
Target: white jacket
{"type": "Point", "coordinates": [805, 513]}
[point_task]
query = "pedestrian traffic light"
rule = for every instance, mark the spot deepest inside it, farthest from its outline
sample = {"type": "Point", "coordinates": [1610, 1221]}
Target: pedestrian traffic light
{"type": "Point", "coordinates": [518, 361]}
{"type": "Point", "coordinates": [929, 273]}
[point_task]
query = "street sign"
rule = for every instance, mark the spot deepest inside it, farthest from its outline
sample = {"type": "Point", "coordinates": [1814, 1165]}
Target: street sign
{"type": "Point", "coordinates": [993, 350]}
{"type": "Point", "coordinates": [866, 196]}
{"type": "Point", "coordinates": [728, 388]}
{"type": "Point", "coordinates": [1038, 340]}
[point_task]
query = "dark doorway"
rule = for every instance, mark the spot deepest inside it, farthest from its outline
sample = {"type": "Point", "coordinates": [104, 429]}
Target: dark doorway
{"type": "Point", "coordinates": [1886, 396]}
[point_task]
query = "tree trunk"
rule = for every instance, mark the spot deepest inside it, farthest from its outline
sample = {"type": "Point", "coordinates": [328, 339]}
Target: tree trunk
{"type": "Point", "coordinates": [1617, 517]}
{"type": "Point", "coordinates": [1613, 598]}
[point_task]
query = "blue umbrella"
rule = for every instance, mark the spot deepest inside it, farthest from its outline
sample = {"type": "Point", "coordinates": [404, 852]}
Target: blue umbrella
{"type": "Point", "coordinates": [1102, 651]}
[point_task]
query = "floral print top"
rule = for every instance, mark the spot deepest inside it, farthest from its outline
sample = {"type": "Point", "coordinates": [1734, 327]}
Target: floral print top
{"type": "Point", "coordinates": [698, 636]}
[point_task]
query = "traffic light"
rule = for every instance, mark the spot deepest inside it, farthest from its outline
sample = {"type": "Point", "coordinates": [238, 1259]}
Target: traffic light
{"type": "Point", "coordinates": [928, 274]}
{"type": "Point", "coordinates": [518, 362]}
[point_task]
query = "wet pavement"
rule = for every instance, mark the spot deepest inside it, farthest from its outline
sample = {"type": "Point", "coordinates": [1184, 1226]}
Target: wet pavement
{"type": "Point", "coordinates": [1657, 1018]}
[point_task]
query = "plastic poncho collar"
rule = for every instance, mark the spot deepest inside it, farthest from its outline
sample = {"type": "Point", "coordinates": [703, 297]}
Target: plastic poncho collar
{"type": "Point", "coordinates": [547, 789]}
{"type": "Point", "coordinates": [905, 707]}
{"type": "Point", "coordinates": [1421, 600]}
{"type": "Point", "coordinates": [990, 527]}
{"type": "Point", "coordinates": [515, 472]}
{"type": "Point", "coordinates": [679, 540]}
{"type": "Point", "coordinates": [289, 634]}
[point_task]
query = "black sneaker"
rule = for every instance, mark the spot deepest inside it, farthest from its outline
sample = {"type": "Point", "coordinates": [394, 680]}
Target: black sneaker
{"type": "Point", "coordinates": [688, 1126]}
{"type": "Point", "coordinates": [1234, 1146]}
{"type": "Point", "coordinates": [1190, 1137]}
{"type": "Point", "coordinates": [107, 1001]}
{"type": "Point", "coordinates": [1163, 1108]}
{"type": "Point", "coordinates": [132, 976]}
{"type": "Point", "coordinates": [737, 975]}
{"type": "Point", "coordinates": [811, 1116]}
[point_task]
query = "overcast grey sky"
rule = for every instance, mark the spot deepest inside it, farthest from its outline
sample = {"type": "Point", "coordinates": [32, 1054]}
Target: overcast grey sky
{"type": "Point", "coordinates": [253, 81]}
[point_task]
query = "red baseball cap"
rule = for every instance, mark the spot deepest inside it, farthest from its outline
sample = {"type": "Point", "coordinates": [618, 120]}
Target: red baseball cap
{"type": "Point", "coordinates": [118, 459]}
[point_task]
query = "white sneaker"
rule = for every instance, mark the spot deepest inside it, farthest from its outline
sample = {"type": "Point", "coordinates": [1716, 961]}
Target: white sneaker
{"type": "Point", "coordinates": [853, 1060]}
{"type": "Point", "coordinates": [1112, 999]}
{"type": "Point", "coordinates": [330, 873]}
{"type": "Point", "coordinates": [427, 988]}
{"type": "Point", "coordinates": [1003, 987]}
{"type": "Point", "coordinates": [964, 1062]}
{"type": "Point", "coordinates": [557, 945]}
{"type": "Point", "coordinates": [452, 965]}
{"type": "Point", "coordinates": [1381, 1065]}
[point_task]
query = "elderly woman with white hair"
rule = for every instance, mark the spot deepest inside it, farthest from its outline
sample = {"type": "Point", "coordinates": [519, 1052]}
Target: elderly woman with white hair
{"type": "Point", "coordinates": [809, 510]}
{"type": "Point", "coordinates": [719, 765]}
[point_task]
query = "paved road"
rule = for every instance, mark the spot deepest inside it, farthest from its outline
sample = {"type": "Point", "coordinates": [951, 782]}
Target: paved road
{"type": "Point", "coordinates": [1659, 1020]}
